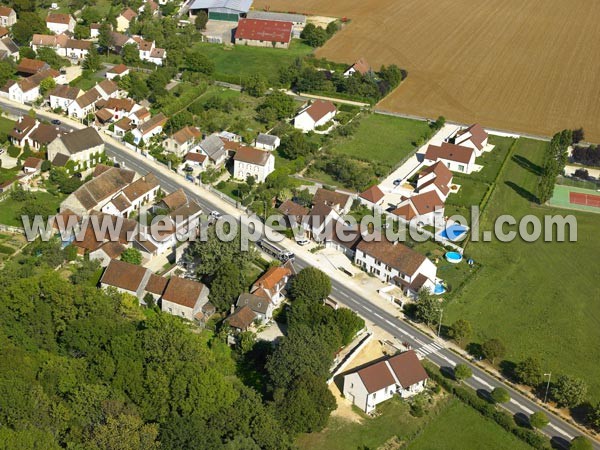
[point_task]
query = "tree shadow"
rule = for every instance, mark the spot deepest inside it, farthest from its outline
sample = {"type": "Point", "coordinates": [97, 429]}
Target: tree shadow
{"type": "Point", "coordinates": [522, 192]}
{"type": "Point", "coordinates": [475, 350]}
{"type": "Point", "coordinates": [508, 369]}
{"type": "Point", "coordinates": [528, 165]}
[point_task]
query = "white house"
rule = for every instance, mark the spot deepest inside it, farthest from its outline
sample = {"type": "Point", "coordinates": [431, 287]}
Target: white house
{"type": "Point", "coordinates": [149, 52]}
{"type": "Point", "coordinates": [126, 278]}
{"type": "Point", "coordinates": [8, 16]}
{"type": "Point", "coordinates": [426, 207]}
{"type": "Point", "coordinates": [9, 49]}
{"type": "Point", "coordinates": [267, 142]}
{"type": "Point", "coordinates": [456, 157]}
{"type": "Point", "coordinates": [60, 23]}
{"type": "Point", "coordinates": [393, 262]}
{"type": "Point", "coordinates": [94, 30]}
{"type": "Point", "coordinates": [149, 129]}
{"type": "Point", "coordinates": [120, 70]}
{"type": "Point", "coordinates": [83, 147]}
{"type": "Point", "coordinates": [400, 374]}
{"type": "Point", "coordinates": [142, 191]}
{"type": "Point", "coordinates": [84, 104]}
{"type": "Point", "coordinates": [63, 95]}
{"type": "Point", "coordinates": [262, 307]}
{"type": "Point", "coordinates": [318, 113]}
{"type": "Point", "coordinates": [213, 147]}
{"type": "Point", "coordinates": [263, 33]}
{"type": "Point", "coordinates": [183, 141]}
{"type": "Point", "coordinates": [271, 285]}
{"type": "Point", "coordinates": [474, 137]}
{"type": "Point", "coordinates": [361, 66]}
{"type": "Point", "coordinates": [251, 162]}
{"type": "Point", "coordinates": [436, 177]}
{"type": "Point", "coordinates": [122, 126]}
{"type": "Point", "coordinates": [27, 90]}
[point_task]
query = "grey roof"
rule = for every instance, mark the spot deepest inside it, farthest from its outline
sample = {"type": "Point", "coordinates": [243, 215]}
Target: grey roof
{"type": "Point", "coordinates": [242, 6]}
{"type": "Point", "coordinates": [266, 139]}
{"type": "Point", "coordinates": [81, 140]}
{"type": "Point", "coordinates": [10, 45]}
{"type": "Point", "coordinates": [256, 303]}
{"type": "Point", "coordinates": [278, 17]}
{"type": "Point", "coordinates": [213, 146]}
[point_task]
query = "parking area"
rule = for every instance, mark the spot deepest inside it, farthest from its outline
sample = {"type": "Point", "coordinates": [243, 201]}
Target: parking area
{"type": "Point", "coordinates": [219, 31]}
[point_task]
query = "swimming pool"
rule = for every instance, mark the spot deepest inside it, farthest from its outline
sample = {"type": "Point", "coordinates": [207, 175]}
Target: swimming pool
{"type": "Point", "coordinates": [454, 232]}
{"type": "Point", "coordinates": [453, 257]}
{"type": "Point", "coordinates": [439, 289]}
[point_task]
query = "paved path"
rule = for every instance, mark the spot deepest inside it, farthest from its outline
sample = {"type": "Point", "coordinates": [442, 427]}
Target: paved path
{"type": "Point", "coordinates": [344, 289]}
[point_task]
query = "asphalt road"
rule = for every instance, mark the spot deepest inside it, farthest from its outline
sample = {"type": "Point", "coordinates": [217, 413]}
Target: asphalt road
{"type": "Point", "coordinates": [520, 406]}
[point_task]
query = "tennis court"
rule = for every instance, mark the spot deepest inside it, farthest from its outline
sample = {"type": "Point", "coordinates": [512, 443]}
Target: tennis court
{"type": "Point", "coordinates": [575, 198]}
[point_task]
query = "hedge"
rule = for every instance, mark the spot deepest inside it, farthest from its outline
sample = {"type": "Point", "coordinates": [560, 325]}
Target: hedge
{"type": "Point", "coordinates": [502, 418]}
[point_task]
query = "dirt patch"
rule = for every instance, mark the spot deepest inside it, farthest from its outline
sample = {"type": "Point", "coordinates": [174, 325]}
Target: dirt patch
{"type": "Point", "coordinates": [320, 21]}
{"type": "Point", "coordinates": [508, 64]}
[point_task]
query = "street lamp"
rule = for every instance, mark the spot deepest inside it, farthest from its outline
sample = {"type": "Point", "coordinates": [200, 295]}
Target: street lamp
{"type": "Point", "coordinates": [549, 375]}
{"type": "Point", "coordinates": [440, 322]}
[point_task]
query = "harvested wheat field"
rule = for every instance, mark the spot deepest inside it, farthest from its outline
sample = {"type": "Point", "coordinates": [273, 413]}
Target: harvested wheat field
{"type": "Point", "coordinates": [524, 65]}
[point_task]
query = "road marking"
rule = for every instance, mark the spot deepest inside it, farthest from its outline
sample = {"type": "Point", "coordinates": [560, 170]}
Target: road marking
{"type": "Point", "coordinates": [368, 309]}
{"type": "Point", "coordinates": [524, 408]}
{"type": "Point", "coordinates": [560, 430]}
{"type": "Point", "coordinates": [391, 323]}
{"type": "Point", "coordinates": [377, 315]}
{"type": "Point", "coordinates": [482, 381]}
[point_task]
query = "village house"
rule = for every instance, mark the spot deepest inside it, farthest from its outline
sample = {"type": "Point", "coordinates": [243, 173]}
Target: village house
{"type": "Point", "coordinates": [272, 284]}
{"type": "Point", "coordinates": [32, 165]}
{"type": "Point", "coordinates": [394, 262]}
{"type": "Point", "coordinates": [139, 116]}
{"type": "Point", "coordinates": [122, 126]}
{"type": "Point", "coordinates": [251, 162]}
{"type": "Point", "coordinates": [4, 31]}
{"type": "Point", "coordinates": [84, 105]}
{"type": "Point", "coordinates": [372, 197]}
{"type": "Point", "coordinates": [264, 33]}
{"type": "Point", "coordinates": [361, 66]}
{"type": "Point", "coordinates": [63, 95]}
{"type": "Point", "coordinates": [76, 49]}
{"type": "Point", "coordinates": [436, 177]}
{"type": "Point", "coordinates": [375, 383]}
{"type": "Point", "coordinates": [107, 252]}
{"type": "Point", "coordinates": [267, 142]}
{"type": "Point", "coordinates": [142, 191]}
{"type": "Point", "coordinates": [474, 137]}
{"type": "Point", "coordinates": [456, 157]}
{"type": "Point", "coordinates": [60, 23]}
{"type": "Point", "coordinates": [109, 89]}
{"type": "Point", "coordinates": [183, 141]}
{"type": "Point", "coordinates": [126, 278]}
{"type": "Point", "coordinates": [106, 183]}
{"type": "Point", "coordinates": [185, 298]}
{"type": "Point", "coordinates": [149, 52]}
{"type": "Point", "coordinates": [150, 7]}
{"type": "Point", "coordinates": [120, 107]}
{"type": "Point", "coordinates": [196, 160]}
{"type": "Point", "coordinates": [213, 147]}
{"type": "Point", "coordinates": [339, 201]}
{"type": "Point", "coordinates": [33, 133]}
{"type": "Point", "coordinates": [124, 19]}
{"type": "Point", "coordinates": [21, 130]}
{"type": "Point", "coordinates": [8, 49]}
{"type": "Point", "coordinates": [172, 201]}
{"type": "Point", "coordinates": [28, 66]}
{"type": "Point", "coordinates": [27, 90]}
{"type": "Point", "coordinates": [83, 147]}
{"type": "Point", "coordinates": [315, 115]}
{"type": "Point", "coordinates": [149, 129]}
{"type": "Point", "coordinates": [343, 238]}
{"type": "Point", "coordinates": [261, 307]}
{"type": "Point", "coordinates": [94, 30]}
{"type": "Point", "coordinates": [120, 40]}
{"type": "Point", "coordinates": [241, 319]}
{"type": "Point", "coordinates": [120, 70]}
{"type": "Point", "coordinates": [427, 208]}
{"type": "Point", "coordinates": [298, 20]}
{"type": "Point", "coordinates": [8, 16]}
{"type": "Point", "coordinates": [53, 41]}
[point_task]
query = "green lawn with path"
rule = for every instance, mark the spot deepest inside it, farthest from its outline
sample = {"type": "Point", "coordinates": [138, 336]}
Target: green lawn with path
{"type": "Point", "coordinates": [385, 139]}
{"type": "Point", "coordinates": [234, 63]}
{"type": "Point", "coordinates": [540, 299]}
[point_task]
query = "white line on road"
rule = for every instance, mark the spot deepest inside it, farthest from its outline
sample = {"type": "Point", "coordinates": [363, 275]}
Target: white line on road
{"type": "Point", "coordinates": [524, 408]}
{"type": "Point", "coordinates": [482, 381]}
{"type": "Point", "coordinates": [560, 430]}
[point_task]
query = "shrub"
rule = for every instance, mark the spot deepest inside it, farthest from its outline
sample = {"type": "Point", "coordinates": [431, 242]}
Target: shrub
{"type": "Point", "coordinates": [538, 419]}
{"type": "Point", "coordinates": [462, 372]}
{"type": "Point", "coordinates": [500, 395]}
{"type": "Point", "coordinates": [13, 151]}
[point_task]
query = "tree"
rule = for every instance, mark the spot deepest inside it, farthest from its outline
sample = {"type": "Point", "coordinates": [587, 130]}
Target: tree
{"type": "Point", "coordinates": [255, 85]}
{"type": "Point", "coordinates": [578, 136]}
{"type": "Point", "coordinates": [226, 286]}
{"type": "Point", "coordinates": [296, 145]}
{"type": "Point", "coordinates": [46, 85]}
{"type": "Point", "coordinates": [125, 432]}
{"type": "Point", "coordinates": [568, 391]}
{"type": "Point", "coordinates": [131, 54]}
{"type": "Point", "coordinates": [51, 57]}
{"type": "Point", "coordinates": [282, 104]}
{"type": "Point", "coordinates": [310, 284]}
{"type": "Point", "coordinates": [82, 31]}
{"type": "Point", "coordinates": [7, 71]}
{"type": "Point", "coordinates": [581, 443]}
{"type": "Point", "coordinates": [439, 123]}
{"type": "Point", "coordinates": [132, 256]}
{"type": "Point", "coordinates": [428, 309]}
{"type": "Point", "coordinates": [29, 23]}
{"type": "Point", "coordinates": [462, 372]}
{"type": "Point", "coordinates": [500, 395]}
{"type": "Point", "coordinates": [538, 420]}
{"type": "Point", "coordinates": [92, 60]}
{"type": "Point", "coordinates": [460, 331]}
{"type": "Point", "coordinates": [197, 61]}
{"type": "Point", "coordinates": [314, 36]}
{"type": "Point", "coordinates": [105, 36]}
{"type": "Point", "coordinates": [332, 28]}
{"type": "Point", "coordinates": [245, 342]}
{"type": "Point", "coordinates": [201, 20]}
{"type": "Point", "coordinates": [493, 349]}
{"type": "Point", "coordinates": [529, 372]}
{"type": "Point", "coordinates": [594, 417]}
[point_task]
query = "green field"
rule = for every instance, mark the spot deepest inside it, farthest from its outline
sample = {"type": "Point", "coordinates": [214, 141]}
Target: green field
{"type": "Point", "coordinates": [446, 426]}
{"type": "Point", "coordinates": [6, 125]}
{"type": "Point", "coordinates": [540, 299]}
{"type": "Point", "coordinates": [233, 64]}
{"type": "Point", "coordinates": [385, 139]}
{"type": "Point", "coordinates": [10, 209]}
{"type": "Point", "coordinates": [460, 427]}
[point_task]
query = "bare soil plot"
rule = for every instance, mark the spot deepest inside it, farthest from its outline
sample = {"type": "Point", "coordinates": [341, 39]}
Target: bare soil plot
{"type": "Point", "coordinates": [528, 66]}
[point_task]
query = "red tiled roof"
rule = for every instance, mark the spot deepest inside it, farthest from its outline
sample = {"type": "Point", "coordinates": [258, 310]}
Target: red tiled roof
{"type": "Point", "coordinates": [361, 66]}
{"type": "Point", "coordinates": [272, 277]}
{"type": "Point", "coordinates": [119, 69]}
{"type": "Point", "coordinates": [319, 109]}
{"type": "Point", "coordinates": [252, 156]}
{"type": "Point", "coordinates": [183, 291]}
{"type": "Point", "coordinates": [123, 275]}
{"type": "Point", "coordinates": [407, 368]}
{"type": "Point", "coordinates": [129, 14]}
{"type": "Point", "coordinates": [5, 11]}
{"type": "Point", "coordinates": [478, 134]}
{"type": "Point", "coordinates": [449, 152]}
{"type": "Point", "coordinates": [242, 317]}
{"type": "Point", "coordinates": [195, 157]}
{"type": "Point", "coordinates": [65, 19]}
{"type": "Point", "coordinates": [264, 30]}
{"type": "Point", "coordinates": [186, 134]}
{"type": "Point", "coordinates": [395, 255]}
{"type": "Point", "coordinates": [427, 202]}
{"type": "Point", "coordinates": [373, 194]}
{"type": "Point", "coordinates": [376, 377]}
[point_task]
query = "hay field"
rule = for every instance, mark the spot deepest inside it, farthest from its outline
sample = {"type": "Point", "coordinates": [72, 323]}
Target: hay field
{"type": "Point", "coordinates": [522, 65]}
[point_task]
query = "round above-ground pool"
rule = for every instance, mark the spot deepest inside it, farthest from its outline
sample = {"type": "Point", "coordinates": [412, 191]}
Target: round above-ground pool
{"type": "Point", "coordinates": [453, 257]}
{"type": "Point", "coordinates": [439, 289]}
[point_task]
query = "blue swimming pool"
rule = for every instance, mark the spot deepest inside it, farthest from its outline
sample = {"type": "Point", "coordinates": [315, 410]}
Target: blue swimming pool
{"type": "Point", "coordinates": [439, 289]}
{"type": "Point", "coordinates": [454, 232]}
{"type": "Point", "coordinates": [453, 257]}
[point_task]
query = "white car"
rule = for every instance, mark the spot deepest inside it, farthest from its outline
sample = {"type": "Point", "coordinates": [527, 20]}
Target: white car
{"type": "Point", "coordinates": [1, 151]}
{"type": "Point", "coordinates": [215, 214]}
{"type": "Point", "coordinates": [302, 241]}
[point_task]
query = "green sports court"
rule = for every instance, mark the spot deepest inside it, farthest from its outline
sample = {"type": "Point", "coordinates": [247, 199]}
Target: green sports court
{"type": "Point", "coordinates": [580, 199]}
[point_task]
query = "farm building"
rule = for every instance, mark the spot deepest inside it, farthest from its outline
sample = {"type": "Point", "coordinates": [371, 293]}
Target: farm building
{"type": "Point", "coordinates": [263, 33]}
{"type": "Point", "coordinates": [226, 10]}
{"type": "Point", "coordinates": [298, 20]}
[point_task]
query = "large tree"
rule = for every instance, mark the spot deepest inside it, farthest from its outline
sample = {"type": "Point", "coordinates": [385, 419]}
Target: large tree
{"type": "Point", "coordinates": [529, 372]}
{"type": "Point", "coordinates": [568, 391]}
{"type": "Point", "coordinates": [428, 309]}
{"type": "Point", "coordinates": [493, 350]}
{"type": "Point", "coordinates": [460, 331]}
{"type": "Point", "coordinates": [310, 284]}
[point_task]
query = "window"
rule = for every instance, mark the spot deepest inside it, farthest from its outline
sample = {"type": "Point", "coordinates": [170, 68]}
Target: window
{"type": "Point", "coordinates": [461, 168]}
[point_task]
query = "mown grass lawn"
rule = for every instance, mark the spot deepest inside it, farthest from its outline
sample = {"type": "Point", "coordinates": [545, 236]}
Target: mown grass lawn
{"type": "Point", "coordinates": [6, 125]}
{"type": "Point", "coordinates": [460, 427]}
{"type": "Point", "coordinates": [234, 64]}
{"type": "Point", "coordinates": [384, 139]}
{"type": "Point", "coordinates": [10, 209]}
{"type": "Point", "coordinates": [540, 298]}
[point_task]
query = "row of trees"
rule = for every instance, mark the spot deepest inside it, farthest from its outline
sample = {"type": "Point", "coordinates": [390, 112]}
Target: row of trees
{"type": "Point", "coordinates": [589, 156]}
{"type": "Point", "coordinates": [554, 164]}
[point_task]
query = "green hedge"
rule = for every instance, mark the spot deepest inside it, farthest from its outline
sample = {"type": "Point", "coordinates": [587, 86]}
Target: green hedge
{"type": "Point", "coordinates": [501, 417]}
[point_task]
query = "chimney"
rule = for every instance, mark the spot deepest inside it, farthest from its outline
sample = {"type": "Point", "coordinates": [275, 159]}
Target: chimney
{"type": "Point", "coordinates": [232, 308]}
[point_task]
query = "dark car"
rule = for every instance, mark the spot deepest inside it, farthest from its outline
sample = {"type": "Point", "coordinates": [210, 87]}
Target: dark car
{"type": "Point", "coordinates": [397, 182]}
{"type": "Point", "coordinates": [56, 122]}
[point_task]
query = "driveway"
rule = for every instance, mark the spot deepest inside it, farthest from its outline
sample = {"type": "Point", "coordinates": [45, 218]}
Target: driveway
{"type": "Point", "coordinates": [8, 162]}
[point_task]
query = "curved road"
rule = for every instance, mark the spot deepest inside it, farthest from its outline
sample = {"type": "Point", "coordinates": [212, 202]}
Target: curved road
{"type": "Point", "coordinates": [560, 431]}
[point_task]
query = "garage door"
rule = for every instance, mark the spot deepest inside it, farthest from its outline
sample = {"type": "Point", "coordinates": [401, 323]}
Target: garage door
{"type": "Point", "coordinates": [223, 16]}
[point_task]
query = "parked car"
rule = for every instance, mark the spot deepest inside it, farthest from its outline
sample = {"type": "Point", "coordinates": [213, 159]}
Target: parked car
{"type": "Point", "coordinates": [56, 122]}
{"type": "Point", "coordinates": [302, 241]}
{"type": "Point", "coordinates": [215, 214]}
{"type": "Point", "coordinates": [190, 178]}
{"type": "Point", "coordinates": [397, 182]}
